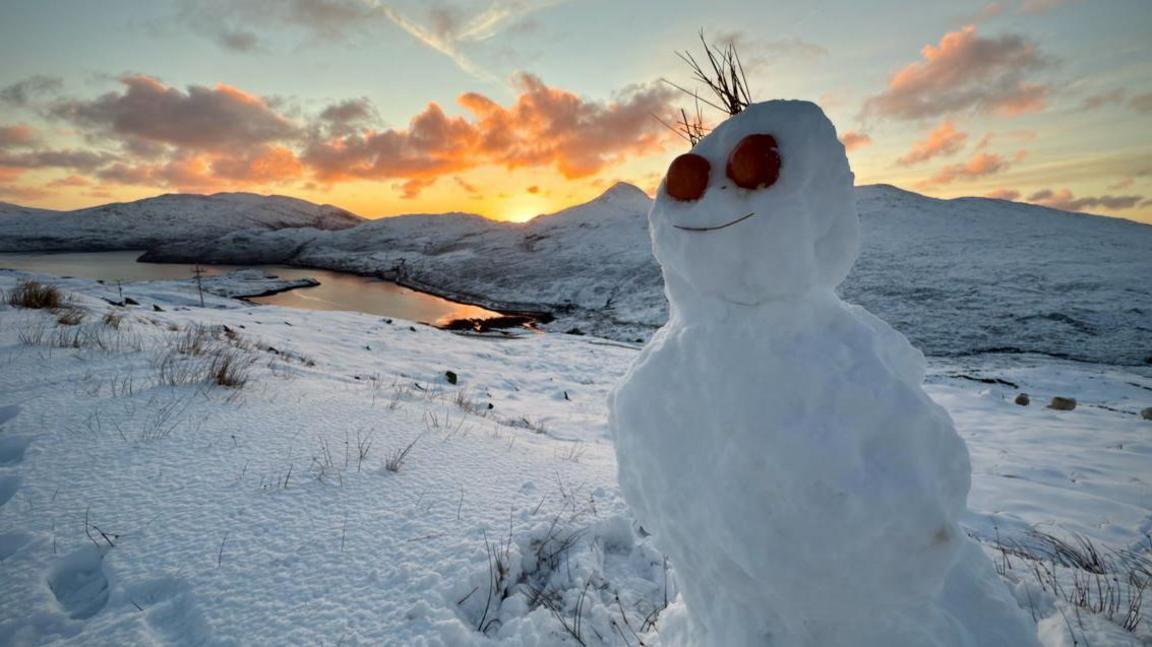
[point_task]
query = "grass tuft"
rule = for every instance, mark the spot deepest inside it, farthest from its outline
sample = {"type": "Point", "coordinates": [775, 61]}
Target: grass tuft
{"type": "Point", "coordinates": [36, 295]}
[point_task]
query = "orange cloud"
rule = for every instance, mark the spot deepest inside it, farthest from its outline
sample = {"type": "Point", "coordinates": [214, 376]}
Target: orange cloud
{"type": "Point", "coordinates": [222, 137]}
{"type": "Point", "coordinates": [964, 72]}
{"type": "Point", "coordinates": [1003, 194]}
{"type": "Point", "coordinates": [544, 127]}
{"type": "Point", "coordinates": [466, 185]}
{"type": "Point", "coordinates": [70, 181]}
{"type": "Point", "coordinates": [16, 136]}
{"type": "Point", "coordinates": [202, 118]}
{"type": "Point", "coordinates": [979, 165]}
{"type": "Point", "coordinates": [261, 165]}
{"type": "Point", "coordinates": [854, 140]}
{"type": "Point", "coordinates": [1066, 201]}
{"type": "Point", "coordinates": [944, 140]}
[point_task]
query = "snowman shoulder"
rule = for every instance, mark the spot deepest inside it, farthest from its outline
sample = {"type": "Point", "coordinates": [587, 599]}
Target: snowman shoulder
{"type": "Point", "coordinates": [901, 357]}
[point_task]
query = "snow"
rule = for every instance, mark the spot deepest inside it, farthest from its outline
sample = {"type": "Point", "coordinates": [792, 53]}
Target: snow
{"type": "Point", "coordinates": [956, 276]}
{"type": "Point", "coordinates": [233, 285]}
{"type": "Point", "coordinates": [773, 438]}
{"type": "Point", "coordinates": [252, 283]}
{"type": "Point", "coordinates": [163, 219]}
{"type": "Point", "coordinates": [214, 547]}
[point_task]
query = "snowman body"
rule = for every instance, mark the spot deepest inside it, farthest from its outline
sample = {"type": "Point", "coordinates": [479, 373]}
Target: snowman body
{"type": "Point", "coordinates": [777, 441]}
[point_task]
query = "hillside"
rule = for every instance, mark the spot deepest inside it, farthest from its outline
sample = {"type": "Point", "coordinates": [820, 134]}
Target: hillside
{"type": "Point", "coordinates": [341, 490]}
{"type": "Point", "coordinates": [957, 276]}
{"type": "Point", "coordinates": [158, 220]}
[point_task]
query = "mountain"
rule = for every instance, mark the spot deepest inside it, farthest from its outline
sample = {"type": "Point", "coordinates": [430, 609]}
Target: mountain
{"type": "Point", "coordinates": [958, 276]}
{"type": "Point", "coordinates": [159, 220]}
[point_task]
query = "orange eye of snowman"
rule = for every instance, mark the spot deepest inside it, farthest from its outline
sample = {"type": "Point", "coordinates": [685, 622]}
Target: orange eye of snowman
{"type": "Point", "coordinates": [755, 162]}
{"type": "Point", "coordinates": [687, 177]}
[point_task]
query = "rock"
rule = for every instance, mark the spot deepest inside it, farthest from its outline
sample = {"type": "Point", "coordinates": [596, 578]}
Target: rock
{"type": "Point", "coordinates": [1023, 400]}
{"type": "Point", "coordinates": [574, 331]}
{"type": "Point", "coordinates": [451, 375]}
{"type": "Point", "coordinates": [156, 308]}
{"type": "Point", "coordinates": [130, 301]}
{"type": "Point", "coordinates": [1146, 413]}
{"type": "Point", "coordinates": [1061, 403]}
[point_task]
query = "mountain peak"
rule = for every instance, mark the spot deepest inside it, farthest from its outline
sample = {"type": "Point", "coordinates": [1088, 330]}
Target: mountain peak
{"type": "Point", "coordinates": [623, 190]}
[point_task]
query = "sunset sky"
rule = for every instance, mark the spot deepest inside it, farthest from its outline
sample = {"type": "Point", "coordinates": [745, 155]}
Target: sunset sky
{"type": "Point", "coordinates": [514, 108]}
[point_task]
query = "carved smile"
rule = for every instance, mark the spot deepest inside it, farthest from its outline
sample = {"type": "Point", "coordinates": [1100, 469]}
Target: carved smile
{"type": "Point", "coordinates": [727, 224]}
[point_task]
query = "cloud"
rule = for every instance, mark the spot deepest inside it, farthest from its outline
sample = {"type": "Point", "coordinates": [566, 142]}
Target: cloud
{"type": "Point", "coordinates": [200, 118]}
{"type": "Point", "coordinates": [466, 185]}
{"type": "Point", "coordinates": [1039, 6]}
{"type": "Point", "coordinates": [17, 136]}
{"type": "Point", "coordinates": [22, 93]}
{"type": "Point", "coordinates": [347, 116]}
{"type": "Point", "coordinates": [22, 193]}
{"type": "Point", "coordinates": [238, 40]}
{"type": "Point", "coordinates": [323, 20]}
{"type": "Point", "coordinates": [965, 72]}
{"type": "Point", "coordinates": [984, 14]}
{"type": "Point", "coordinates": [70, 181]}
{"type": "Point", "coordinates": [410, 189]}
{"type": "Point", "coordinates": [1066, 201]}
{"type": "Point", "coordinates": [1003, 194]}
{"type": "Point", "coordinates": [979, 165]}
{"type": "Point", "coordinates": [121, 173]}
{"type": "Point", "coordinates": [544, 127]}
{"type": "Point", "coordinates": [147, 133]}
{"type": "Point", "coordinates": [1141, 102]}
{"type": "Point", "coordinates": [80, 160]}
{"type": "Point", "coordinates": [441, 43]}
{"type": "Point", "coordinates": [450, 30]}
{"type": "Point", "coordinates": [261, 165]}
{"type": "Point", "coordinates": [854, 140]}
{"type": "Point", "coordinates": [1101, 99]}
{"type": "Point", "coordinates": [942, 141]}
{"type": "Point", "coordinates": [758, 53]}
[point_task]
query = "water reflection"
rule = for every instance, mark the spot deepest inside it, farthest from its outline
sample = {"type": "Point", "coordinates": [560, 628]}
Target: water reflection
{"type": "Point", "coordinates": [337, 291]}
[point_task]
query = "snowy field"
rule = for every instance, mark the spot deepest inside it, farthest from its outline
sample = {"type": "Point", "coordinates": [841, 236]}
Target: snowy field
{"type": "Point", "coordinates": [343, 491]}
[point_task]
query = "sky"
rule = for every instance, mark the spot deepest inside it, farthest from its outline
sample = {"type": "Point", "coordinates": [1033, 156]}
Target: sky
{"type": "Point", "coordinates": [511, 108]}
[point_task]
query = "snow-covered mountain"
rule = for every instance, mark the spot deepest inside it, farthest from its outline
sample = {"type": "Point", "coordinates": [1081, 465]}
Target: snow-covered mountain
{"type": "Point", "coordinates": [957, 276]}
{"type": "Point", "coordinates": [163, 219]}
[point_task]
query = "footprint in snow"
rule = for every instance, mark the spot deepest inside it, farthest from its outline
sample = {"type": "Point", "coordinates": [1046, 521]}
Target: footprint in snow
{"type": "Point", "coordinates": [12, 449]}
{"type": "Point", "coordinates": [8, 412]}
{"type": "Point", "coordinates": [170, 610]}
{"type": "Point", "coordinates": [12, 542]}
{"type": "Point", "coordinates": [79, 583]}
{"type": "Point", "coordinates": [8, 487]}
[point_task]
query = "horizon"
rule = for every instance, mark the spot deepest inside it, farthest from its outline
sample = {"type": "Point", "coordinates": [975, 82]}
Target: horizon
{"type": "Point", "coordinates": [532, 217]}
{"type": "Point", "coordinates": [500, 109]}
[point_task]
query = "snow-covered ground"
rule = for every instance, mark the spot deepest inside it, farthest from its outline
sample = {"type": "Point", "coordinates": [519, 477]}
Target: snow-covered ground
{"type": "Point", "coordinates": [162, 219]}
{"type": "Point", "coordinates": [955, 276]}
{"type": "Point", "coordinates": [135, 511]}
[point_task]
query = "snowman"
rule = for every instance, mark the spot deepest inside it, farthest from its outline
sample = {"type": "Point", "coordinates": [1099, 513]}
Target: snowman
{"type": "Point", "coordinates": [775, 440]}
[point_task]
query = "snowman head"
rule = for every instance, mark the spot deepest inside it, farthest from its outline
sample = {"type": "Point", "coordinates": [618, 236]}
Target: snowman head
{"type": "Point", "coordinates": [761, 209]}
